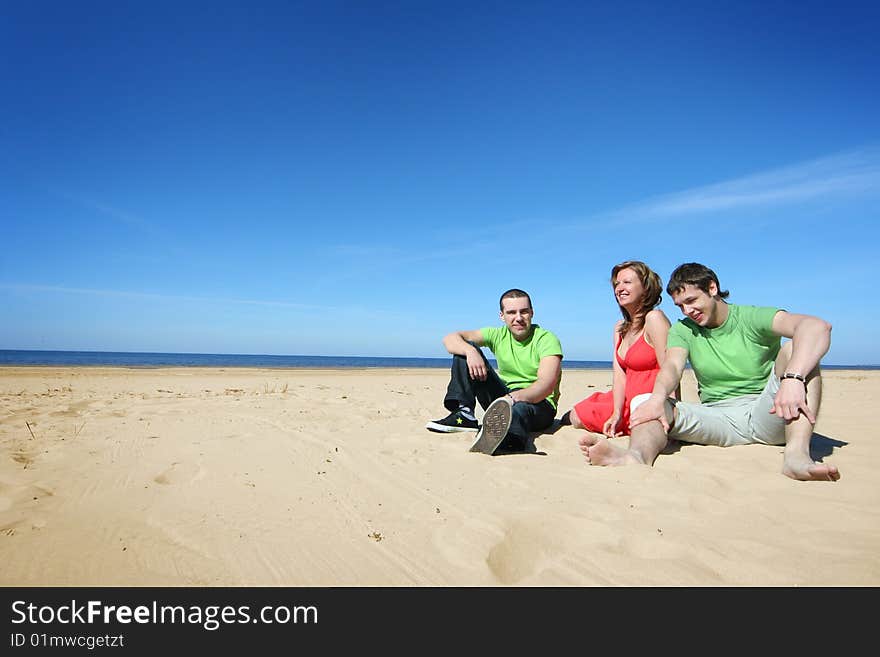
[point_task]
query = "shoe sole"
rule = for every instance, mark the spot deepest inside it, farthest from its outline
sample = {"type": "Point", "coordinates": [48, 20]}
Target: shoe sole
{"type": "Point", "coordinates": [496, 423]}
{"type": "Point", "coordinates": [443, 428]}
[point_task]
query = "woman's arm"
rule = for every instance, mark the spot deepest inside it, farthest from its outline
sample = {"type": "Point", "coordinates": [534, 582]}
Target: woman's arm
{"type": "Point", "coordinates": [656, 332]}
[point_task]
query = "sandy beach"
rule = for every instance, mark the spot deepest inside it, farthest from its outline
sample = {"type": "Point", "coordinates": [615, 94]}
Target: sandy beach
{"type": "Point", "coordinates": [259, 477]}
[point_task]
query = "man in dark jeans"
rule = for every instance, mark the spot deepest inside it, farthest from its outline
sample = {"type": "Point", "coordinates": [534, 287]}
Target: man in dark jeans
{"type": "Point", "coordinates": [521, 397]}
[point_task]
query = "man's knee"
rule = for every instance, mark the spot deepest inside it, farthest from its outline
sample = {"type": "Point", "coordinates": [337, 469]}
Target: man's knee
{"type": "Point", "coordinates": [668, 407]}
{"type": "Point", "coordinates": [782, 360]}
{"type": "Point", "coordinates": [459, 367]}
{"type": "Point", "coordinates": [519, 414]}
{"type": "Point", "coordinates": [524, 419]}
{"type": "Point", "coordinates": [671, 415]}
{"type": "Point", "coordinates": [518, 433]}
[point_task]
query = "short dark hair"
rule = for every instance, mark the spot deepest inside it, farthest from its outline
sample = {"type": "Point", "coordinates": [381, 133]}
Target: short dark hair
{"type": "Point", "coordinates": [693, 273]}
{"type": "Point", "coordinates": [513, 293]}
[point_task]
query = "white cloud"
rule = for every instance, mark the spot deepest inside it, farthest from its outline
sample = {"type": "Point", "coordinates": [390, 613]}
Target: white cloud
{"type": "Point", "coordinates": [848, 174]}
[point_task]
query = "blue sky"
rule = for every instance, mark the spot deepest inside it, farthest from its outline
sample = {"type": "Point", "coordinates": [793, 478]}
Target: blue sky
{"type": "Point", "coordinates": [342, 178]}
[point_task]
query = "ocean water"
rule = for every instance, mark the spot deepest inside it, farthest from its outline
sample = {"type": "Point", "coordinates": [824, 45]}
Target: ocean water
{"type": "Point", "coordinates": [12, 357]}
{"type": "Point", "coordinates": [9, 357]}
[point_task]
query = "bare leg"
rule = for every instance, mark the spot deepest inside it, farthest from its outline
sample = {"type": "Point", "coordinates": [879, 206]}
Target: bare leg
{"type": "Point", "coordinates": [796, 461]}
{"type": "Point", "coordinates": [645, 443]}
{"type": "Point", "coordinates": [575, 420]}
{"type": "Point", "coordinates": [648, 440]}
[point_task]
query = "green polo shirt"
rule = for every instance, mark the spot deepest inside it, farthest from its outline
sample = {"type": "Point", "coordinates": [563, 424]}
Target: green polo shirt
{"type": "Point", "coordinates": [518, 361]}
{"type": "Point", "coordinates": [734, 359]}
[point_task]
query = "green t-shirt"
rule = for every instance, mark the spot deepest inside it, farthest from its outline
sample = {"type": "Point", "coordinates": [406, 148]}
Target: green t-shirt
{"type": "Point", "coordinates": [518, 361]}
{"type": "Point", "coordinates": [734, 359]}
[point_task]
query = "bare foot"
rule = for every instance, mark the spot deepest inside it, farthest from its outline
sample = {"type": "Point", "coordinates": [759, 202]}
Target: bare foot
{"type": "Point", "coordinates": [585, 442]}
{"type": "Point", "coordinates": [599, 451]}
{"type": "Point", "coordinates": [803, 468]}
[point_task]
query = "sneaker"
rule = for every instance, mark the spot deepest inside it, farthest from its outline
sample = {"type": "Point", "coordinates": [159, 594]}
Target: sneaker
{"type": "Point", "coordinates": [451, 423]}
{"type": "Point", "coordinates": [496, 422]}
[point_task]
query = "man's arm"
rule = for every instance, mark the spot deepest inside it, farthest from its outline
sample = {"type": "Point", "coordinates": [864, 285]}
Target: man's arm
{"type": "Point", "coordinates": [668, 380]}
{"type": "Point", "coordinates": [656, 333]}
{"type": "Point", "coordinates": [810, 340]}
{"type": "Point", "coordinates": [457, 344]}
{"type": "Point", "coordinates": [549, 369]}
{"type": "Point", "coordinates": [618, 389]}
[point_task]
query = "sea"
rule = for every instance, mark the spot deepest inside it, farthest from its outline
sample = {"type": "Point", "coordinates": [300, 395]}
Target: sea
{"type": "Point", "coordinates": [15, 357]}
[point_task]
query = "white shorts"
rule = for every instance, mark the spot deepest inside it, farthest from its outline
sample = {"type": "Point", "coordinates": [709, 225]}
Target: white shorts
{"type": "Point", "coordinates": [740, 420]}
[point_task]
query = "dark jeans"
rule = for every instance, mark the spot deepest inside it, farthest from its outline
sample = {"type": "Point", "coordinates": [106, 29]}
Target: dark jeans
{"type": "Point", "coordinates": [465, 391]}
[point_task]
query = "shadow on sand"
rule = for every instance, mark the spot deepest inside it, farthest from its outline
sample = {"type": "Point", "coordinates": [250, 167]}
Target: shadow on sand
{"type": "Point", "coordinates": [530, 447]}
{"type": "Point", "coordinates": [822, 446]}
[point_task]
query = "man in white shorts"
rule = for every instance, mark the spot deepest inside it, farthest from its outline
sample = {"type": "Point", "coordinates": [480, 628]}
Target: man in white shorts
{"type": "Point", "coordinates": [752, 388]}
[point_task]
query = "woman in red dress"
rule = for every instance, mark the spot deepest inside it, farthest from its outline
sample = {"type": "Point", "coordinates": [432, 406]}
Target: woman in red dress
{"type": "Point", "coordinates": [639, 351]}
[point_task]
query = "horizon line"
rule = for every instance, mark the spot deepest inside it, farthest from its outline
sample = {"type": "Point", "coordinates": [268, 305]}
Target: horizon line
{"type": "Point", "coordinates": [256, 355]}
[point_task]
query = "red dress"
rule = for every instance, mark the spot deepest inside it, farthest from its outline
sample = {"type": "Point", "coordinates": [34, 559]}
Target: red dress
{"type": "Point", "coordinates": [641, 368]}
